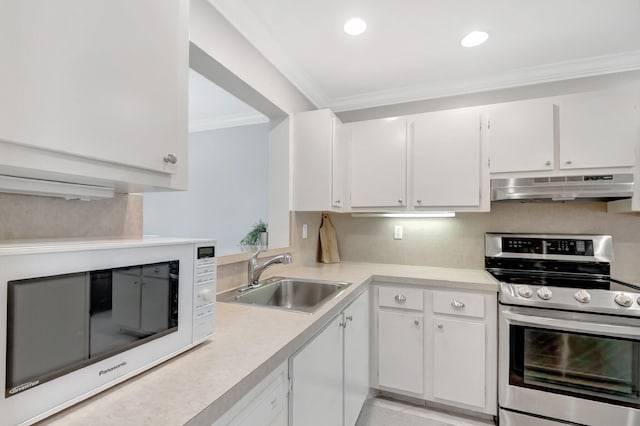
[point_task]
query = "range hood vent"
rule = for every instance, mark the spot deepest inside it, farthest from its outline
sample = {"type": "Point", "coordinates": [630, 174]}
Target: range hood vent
{"type": "Point", "coordinates": [563, 188]}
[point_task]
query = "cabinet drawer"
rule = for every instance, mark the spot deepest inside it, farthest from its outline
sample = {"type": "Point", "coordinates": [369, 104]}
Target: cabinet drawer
{"type": "Point", "coordinates": [458, 303]}
{"type": "Point", "coordinates": [399, 297]}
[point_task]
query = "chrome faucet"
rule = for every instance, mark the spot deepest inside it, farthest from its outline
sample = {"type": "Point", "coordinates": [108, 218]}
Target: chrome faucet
{"type": "Point", "coordinates": [255, 270]}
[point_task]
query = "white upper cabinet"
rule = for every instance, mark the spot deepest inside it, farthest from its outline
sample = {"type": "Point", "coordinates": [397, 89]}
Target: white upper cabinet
{"type": "Point", "coordinates": [102, 80]}
{"type": "Point", "coordinates": [340, 146]}
{"type": "Point", "coordinates": [521, 136]}
{"type": "Point", "coordinates": [320, 150]}
{"type": "Point", "coordinates": [378, 163]}
{"type": "Point", "coordinates": [445, 158]}
{"type": "Point", "coordinates": [598, 129]}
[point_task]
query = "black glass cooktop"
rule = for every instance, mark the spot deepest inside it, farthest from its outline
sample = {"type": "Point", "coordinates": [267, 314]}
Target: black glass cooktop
{"type": "Point", "coordinates": [553, 280]}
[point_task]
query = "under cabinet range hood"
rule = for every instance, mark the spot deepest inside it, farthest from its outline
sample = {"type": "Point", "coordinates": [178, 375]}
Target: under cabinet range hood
{"type": "Point", "coordinates": [563, 188]}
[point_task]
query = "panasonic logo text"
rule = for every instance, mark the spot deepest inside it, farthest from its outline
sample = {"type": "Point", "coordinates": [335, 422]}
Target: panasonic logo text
{"type": "Point", "coordinates": [110, 369]}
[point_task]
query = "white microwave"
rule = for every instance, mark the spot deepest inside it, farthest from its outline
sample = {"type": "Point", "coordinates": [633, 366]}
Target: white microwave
{"type": "Point", "coordinates": [77, 317]}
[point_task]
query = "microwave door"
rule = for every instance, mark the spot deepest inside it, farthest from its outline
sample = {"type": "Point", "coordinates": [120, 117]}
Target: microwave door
{"type": "Point", "coordinates": [48, 327]}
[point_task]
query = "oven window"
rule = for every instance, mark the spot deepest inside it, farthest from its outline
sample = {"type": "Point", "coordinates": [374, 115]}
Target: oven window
{"type": "Point", "coordinates": [597, 367]}
{"type": "Point", "coordinates": [58, 324]}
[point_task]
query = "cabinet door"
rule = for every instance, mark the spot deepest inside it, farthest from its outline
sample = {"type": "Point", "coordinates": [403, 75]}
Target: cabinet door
{"type": "Point", "coordinates": [126, 299]}
{"type": "Point", "coordinates": [102, 79]}
{"type": "Point", "coordinates": [446, 158]}
{"type": "Point", "coordinates": [598, 129]}
{"type": "Point", "coordinates": [356, 358]}
{"type": "Point", "coordinates": [459, 352]}
{"type": "Point", "coordinates": [313, 134]}
{"type": "Point", "coordinates": [316, 394]}
{"type": "Point", "coordinates": [378, 163]}
{"type": "Point", "coordinates": [339, 166]}
{"type": "Point", "coordinates": [400, 351]}
{"type": "Point", "coordinates": [521, 136]}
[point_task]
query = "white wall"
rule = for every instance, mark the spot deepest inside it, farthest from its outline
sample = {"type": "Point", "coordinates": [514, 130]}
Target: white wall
{"type": "Point", "coordinates": [228, 188]}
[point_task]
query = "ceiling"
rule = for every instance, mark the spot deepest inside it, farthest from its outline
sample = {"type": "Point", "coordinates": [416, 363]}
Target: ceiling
{"type": "Point", "coordinates": [411, 49]}
{"type": "Point", "coordinates": [211, 107]}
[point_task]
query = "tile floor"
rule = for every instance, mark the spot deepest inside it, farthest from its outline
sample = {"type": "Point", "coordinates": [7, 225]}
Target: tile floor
{"type": "Point", "coordinates": [383, 412]}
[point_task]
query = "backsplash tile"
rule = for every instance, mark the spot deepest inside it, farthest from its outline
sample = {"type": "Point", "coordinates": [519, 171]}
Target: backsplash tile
{"type": "Point", "coordinates": [459, 242]}
{"type": "Point", "coordinates": [27, 217]}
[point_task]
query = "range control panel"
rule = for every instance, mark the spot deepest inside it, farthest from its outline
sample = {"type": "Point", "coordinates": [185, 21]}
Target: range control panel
{"type": "Point", "coordinates": [204, 297]}
{"type": "Point", "coordinates": [573, 247]}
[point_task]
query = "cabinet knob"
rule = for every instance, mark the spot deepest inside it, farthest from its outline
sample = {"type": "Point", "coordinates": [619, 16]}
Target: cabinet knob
{"type": "Point", "coordinates": [170, 158]}
{"type": "Point", "coordinates": [337, 201]}
{"type": "Point", "coordinates": [547, 163]}
{"type": "Point", "coordinates": [401, 298]}
{"type": "Point", "coordinates": [399, 201]}
{"type": "Point", "coordinates": [419, 201]}
{"type": "Point", "coordinates": [568, 162]}
{"type": "Point", "coordinates": [416, 322]}
{"type": "Point", "coordinates": [456, 304]}
{"type": "Point", "coordinates": [440, 326]}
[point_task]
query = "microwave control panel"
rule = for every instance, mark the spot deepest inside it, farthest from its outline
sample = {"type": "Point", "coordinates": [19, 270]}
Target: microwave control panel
{"type": "Point", "coordinates": [204, 297]}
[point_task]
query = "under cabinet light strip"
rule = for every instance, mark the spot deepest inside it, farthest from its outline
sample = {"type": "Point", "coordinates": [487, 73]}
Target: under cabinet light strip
{"type": "Point", "coordinates": [48, 188]}
{"type": "Point", "coordinates": [406, 215]}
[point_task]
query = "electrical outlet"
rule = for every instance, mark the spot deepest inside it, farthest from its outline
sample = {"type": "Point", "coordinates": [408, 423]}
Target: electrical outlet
{"type": "Point", "coordinates": [304, 231]}
{"type": "Point", "coordinates": [397, 232]}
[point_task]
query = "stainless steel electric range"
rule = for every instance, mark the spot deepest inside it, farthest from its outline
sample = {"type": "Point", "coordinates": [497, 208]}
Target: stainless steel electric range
{"type": "Point", "coordinates": [569, 334]}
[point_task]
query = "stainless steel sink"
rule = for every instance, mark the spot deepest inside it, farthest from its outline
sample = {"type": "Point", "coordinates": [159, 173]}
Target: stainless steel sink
{"type": "Point", "coordinates": [295, 294]}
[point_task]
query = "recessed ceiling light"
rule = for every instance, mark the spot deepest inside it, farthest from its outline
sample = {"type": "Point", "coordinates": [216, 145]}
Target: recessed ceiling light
{"type": "Point", "coordinates": [474, 38]}
{"type": "Point", "coordinates": [355, 26]}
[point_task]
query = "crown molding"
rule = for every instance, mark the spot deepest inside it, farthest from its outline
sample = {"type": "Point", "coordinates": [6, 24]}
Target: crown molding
{"type": "Point", "coordinates": [566, 70]}
{"type": "Point", "coordinates": [251, 28]}
{"type": "Point", "coordinates": [224, 121]}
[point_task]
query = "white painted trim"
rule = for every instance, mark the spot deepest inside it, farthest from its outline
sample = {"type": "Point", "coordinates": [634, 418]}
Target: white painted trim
{"type": "Point", "coordinates": [224, 121]}
{"type": "Point", "coordinates": [245, 21]}
{"type": "Point", "coordinates": [585, 67]}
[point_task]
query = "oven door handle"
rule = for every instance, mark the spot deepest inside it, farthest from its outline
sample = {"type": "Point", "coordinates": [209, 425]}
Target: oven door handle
{"type": "Point", "coordinates": [586, 327]}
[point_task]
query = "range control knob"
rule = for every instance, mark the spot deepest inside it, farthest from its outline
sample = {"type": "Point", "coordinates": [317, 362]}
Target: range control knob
{"type": "Point", "coordinates": [544, 293]}
{"type": "Point", "coordinates": [623, 300]}
{"type": "Point", "coordinates": [525, 291]}
{"type": "Point", "coordinates": [582, 296]}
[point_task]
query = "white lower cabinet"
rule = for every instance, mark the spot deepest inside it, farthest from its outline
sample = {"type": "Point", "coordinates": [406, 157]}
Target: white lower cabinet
{"type": "Point", "coordinates": [356, 357]}
{"type": "Point", "coordinates": [265, 404]}
{"type": "Point", "coordinates": [451, 361]}
{"type": "Point", "coordinates": [458, 377]}
{"type": "Point", "coordinates": [330, 375]}
{"type": "Point", "coordinates": [400, 351]}
{"type": "Point", "coordinates": [316, 371]}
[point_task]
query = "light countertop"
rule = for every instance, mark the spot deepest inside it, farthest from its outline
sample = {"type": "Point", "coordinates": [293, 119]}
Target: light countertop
{"type": "Point", "coordinates": [198, 386]}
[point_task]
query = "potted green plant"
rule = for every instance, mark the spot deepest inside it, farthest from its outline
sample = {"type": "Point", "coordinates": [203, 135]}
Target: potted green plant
{"type": "Point", "coordinates": [256, 236]}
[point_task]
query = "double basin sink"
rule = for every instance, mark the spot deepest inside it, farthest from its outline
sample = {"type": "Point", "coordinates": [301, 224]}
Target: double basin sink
{"type": "Point", "coordinates": [294, 294]}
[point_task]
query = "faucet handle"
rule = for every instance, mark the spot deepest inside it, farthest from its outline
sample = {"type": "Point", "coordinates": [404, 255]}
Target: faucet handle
{"type": "Point", "coordinates": [257, 253]}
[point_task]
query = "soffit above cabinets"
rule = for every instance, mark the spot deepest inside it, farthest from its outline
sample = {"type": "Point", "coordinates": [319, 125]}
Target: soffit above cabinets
{"type": "Point", "coordinates": [211, 107]}
{"type": "Point", "coordinates": [411, 49]}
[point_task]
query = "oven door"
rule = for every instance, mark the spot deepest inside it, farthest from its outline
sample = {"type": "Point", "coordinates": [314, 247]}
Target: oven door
{"type": "Point", "coordinates": [570, 366]}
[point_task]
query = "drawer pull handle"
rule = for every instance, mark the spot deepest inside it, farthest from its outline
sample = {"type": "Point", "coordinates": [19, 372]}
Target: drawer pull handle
{"type": "Point", "coordinates": [416, 322]}
{"type": "Point", "coordinates": [440, 326]}
{"type": "Point", "coordinates": [401, 298]}
{"type": "Point", "coordinates": [456, 304]}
